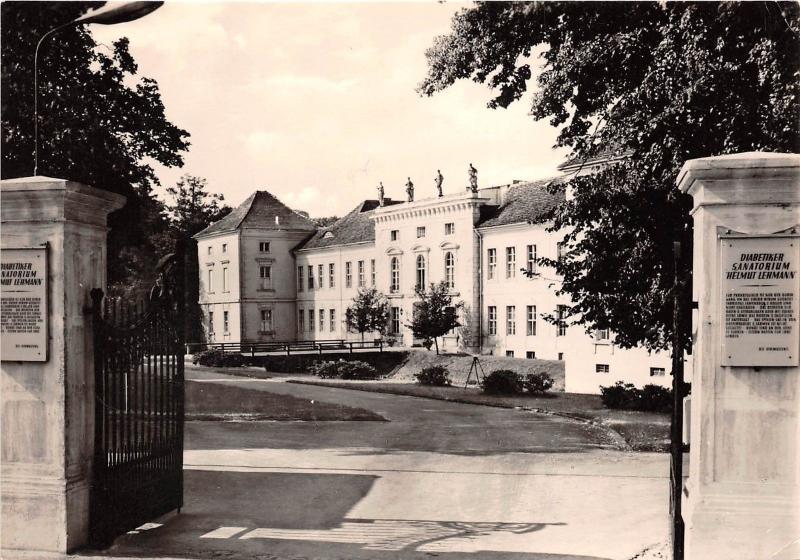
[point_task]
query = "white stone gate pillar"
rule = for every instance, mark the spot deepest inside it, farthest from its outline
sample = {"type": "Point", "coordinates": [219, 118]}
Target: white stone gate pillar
{"type": "Point", "coordinates": [48, 406]}
{"type": "Point", "coordinates": [744, 493]}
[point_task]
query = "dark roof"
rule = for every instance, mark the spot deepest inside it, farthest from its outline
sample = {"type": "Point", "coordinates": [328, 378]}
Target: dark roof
{"type": "Point", "coordinates": [606, 156]}
{"type": "Point", "coordinates": [259, 211]}
{"type": "Point", "coordinates": [524, 202]}
{"type": "Point", "coordinates": [355, 227]}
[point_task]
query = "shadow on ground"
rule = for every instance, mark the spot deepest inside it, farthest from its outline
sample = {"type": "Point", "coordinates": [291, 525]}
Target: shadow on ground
{"type": "Point", "coordinates": [275, 516]}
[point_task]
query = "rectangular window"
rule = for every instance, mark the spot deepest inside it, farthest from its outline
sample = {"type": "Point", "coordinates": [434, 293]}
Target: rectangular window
{"type": "Point", "coordinates": [511, 319]}
{"type": "Point", "coordinates": [300, 285]}
{"type": "Point", "coordinates": [332, 319]}
{"type": "Point", "coordinates": [420, 231]}
{"type": "Point", "coordinates": [266, 320]}
{"type": "Point", "coordinates": [509, 353]}
{"type": "Point", "coordinates": [530, 355]}
{"type": "Point", "coordinates": [394, 235]}
{"type": "Point", "coordinates": [531, 264]}
{"type": "Point", "coordinates": [601, 368]}
{"type": "Point", "coordinates": [224, 278]}
{"type": "Point", "coordinates": [348, 274]}
{"type": "Point", "coordinates": [658, 372]}
{"type": "Point", "coordinates": [320, 276]}
{"type": "Point", "coordinates": [449, 228]}
{"type": "Point", "coordinates": [265, 273]}
{"type": "Point", "coordinates": [310, 278]}
{"type": "Point", "coordinates": [209, 249]}
{"type": "Point", "coordinates": [263, 246]}
{"type": "Point", "coordinates": [372, 272]}
{"type": "Point", "coordinates": [224, 247]}
{"type": "Point", "coordinates": [560, 356]}
{"type": "Point", "coordinates": [492, 315]}
{"type": "Point", "coordinates": [211, 280]}
{"type": "Point", "coordinates": [225, 324]}
{"type": "Point", "coordinates": [560, 250]}
{"type": "Point", "coordinates": [301, 321]}
{"type": "Point", "coordinates": [511, 262]}
{"type": "Point", "coordinates": [601, 334]}
{"type": "Point", "coordinates": [361, 273]}
{"type": "Point", "coordinates": [531, 321]}
{"type": "Point", "coordinates": [310, 320]}
{"type": "Point", "coordinates": [491, 259]}
{"type": "Point", "coordinates": [394, 275]}
{"type": "Point", "coordinates": [210, 323]}
{"type": "Point", "coordinates": [331, 275]}
{"type": "Point", "coordinates": [561, 324]}
{"type": "Point", "coordinates": [394, 328]}
{"type": "Point", "coordinates": [321, 320]}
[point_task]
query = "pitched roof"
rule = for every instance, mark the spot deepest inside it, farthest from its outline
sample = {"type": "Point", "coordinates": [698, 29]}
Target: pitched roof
{"type": "Point", "coordinates": [354, 227]}
{"type": "Point", "coordinates": [606, 156]}
{"type": "Point", "coordinates": [524, 202]}
{"type": "Point", "coordinates": [260, 210]}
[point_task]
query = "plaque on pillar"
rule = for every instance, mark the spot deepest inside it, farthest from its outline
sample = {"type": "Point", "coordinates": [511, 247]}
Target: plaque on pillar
{"type": "Point", "coordinates": [760, 305]}
{"type": "Point", "coordinates": [23, 293]}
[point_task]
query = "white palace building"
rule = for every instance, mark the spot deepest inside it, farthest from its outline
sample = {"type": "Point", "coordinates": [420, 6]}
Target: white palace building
{"type": "Point", "coordinates": [267, 273]}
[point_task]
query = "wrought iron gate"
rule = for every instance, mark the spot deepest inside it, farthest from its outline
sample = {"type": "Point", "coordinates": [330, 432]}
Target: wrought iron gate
{"type": "Point", "coordinates": [139, 405]}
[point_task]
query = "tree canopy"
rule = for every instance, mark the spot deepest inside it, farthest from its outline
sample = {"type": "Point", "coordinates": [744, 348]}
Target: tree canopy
{"type": "Point", "coordinates": [193, 206]}
{"type": "Point", "coordinates": [657, 83]}
{"type": "Point", "coordinates": [100, 123]}
{"type": "Point", "coordinates": [369, 312]}
{"type": "Point", "coordinates": [435, 313]}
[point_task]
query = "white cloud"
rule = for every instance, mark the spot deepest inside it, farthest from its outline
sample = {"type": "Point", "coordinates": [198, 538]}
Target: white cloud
{"type": "Point", "coordinates": [317, 103]}
{"type": "Point", "coordinates": [302, 199]}
{"type": "Point", "coordinates": [292, 82]}
{"type": "Point", "coordinates": [258, 141]}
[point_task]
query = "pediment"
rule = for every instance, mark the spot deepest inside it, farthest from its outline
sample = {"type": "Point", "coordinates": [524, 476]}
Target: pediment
{"type": "Point", "coordinates": [448, 246]}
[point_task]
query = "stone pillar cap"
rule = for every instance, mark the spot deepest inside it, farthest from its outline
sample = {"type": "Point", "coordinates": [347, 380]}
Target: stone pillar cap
{"type": "Point", "coordinates": [47, 198]}
{"type": "Point", "coordinates": [746, 164]}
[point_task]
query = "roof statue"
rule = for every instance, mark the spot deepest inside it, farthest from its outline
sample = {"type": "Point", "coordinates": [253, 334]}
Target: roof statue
{"type": "Point", "coordinates": [381, 199]}
{"type": "Point", "coordinates": [473, 179]}
{"type": "Point", "coordinates": [410, 190]}
{"type": "Point", "coordinates": [439, 180]}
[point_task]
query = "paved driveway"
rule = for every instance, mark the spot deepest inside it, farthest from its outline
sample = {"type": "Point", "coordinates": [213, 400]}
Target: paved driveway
{"type": "Point", "coordinates": [439, 479]}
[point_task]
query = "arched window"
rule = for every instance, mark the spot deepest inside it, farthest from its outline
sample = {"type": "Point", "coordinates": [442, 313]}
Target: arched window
{"type": "Point", "coordinates": [449, 269]}
{"type": "Point", "coordinates": [394, 269]}
{"type": "Point", "coordinates": [421, 272]}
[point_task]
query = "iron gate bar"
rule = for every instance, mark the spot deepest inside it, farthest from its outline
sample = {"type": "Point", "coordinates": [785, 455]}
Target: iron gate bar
{"type": "Point", "coordinates": [139, 409]}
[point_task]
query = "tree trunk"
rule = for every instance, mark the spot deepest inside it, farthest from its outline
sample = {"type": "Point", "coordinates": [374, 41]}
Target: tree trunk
{"type": "Point", "coordinates": [436, 343]}
{"type": "Point", "coordinates": [362, 337]}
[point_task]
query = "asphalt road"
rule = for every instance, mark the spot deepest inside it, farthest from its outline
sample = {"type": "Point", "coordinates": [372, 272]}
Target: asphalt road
{"type": "Point", "coordinates": [440, 479]}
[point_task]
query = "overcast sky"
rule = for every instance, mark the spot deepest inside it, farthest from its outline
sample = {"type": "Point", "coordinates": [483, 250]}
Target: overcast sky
{"type": "Point", "coordinates": [316, 102]}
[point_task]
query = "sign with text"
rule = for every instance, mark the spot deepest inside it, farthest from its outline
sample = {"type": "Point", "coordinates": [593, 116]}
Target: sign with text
{"type": "Point", "coordinates": [23, 307]}
{"type": "Point", "coordinates": [760, 297]}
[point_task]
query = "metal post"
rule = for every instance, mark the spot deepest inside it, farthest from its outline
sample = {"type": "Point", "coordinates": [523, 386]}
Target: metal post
{"type": "Point", "coordinates": [676, 432]}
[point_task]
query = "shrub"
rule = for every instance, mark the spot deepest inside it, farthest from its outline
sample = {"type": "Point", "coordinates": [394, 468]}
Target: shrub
{"type": "Point", "coordinates": [217, 358]}
{"type": "Point", "coordinates": [434, 375]}
{"type": "Point", "coordinates": [502, 382]}
{"type": "Point", "coordinates": [538, 383]}
{"type": "Point", "coordinates": [651, 398]}
{"type": "Point", "coordinates": [343, 369]}
{"type": "Point", "coordinates": [655, 398]}
{"type": "Point", "coordinates": [356, 370]}
{"type": "Point", "coordinates": [618, 395]}
{"type": "Point", "coordinates": [325, 370]}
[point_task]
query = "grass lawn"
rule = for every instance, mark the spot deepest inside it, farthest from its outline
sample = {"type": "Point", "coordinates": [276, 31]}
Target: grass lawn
{"type": "Point", "coordinates": [643, 431]}
{"type": "Point", "coordinates": [216, 401]}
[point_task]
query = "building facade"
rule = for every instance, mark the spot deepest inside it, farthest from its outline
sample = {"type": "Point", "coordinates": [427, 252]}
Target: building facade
{"type": "Point", "coordinates": [480, 243]}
